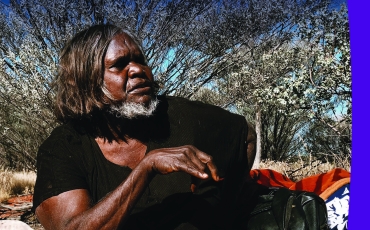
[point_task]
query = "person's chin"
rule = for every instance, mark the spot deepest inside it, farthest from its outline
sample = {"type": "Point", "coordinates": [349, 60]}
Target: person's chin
{"type": "Point", "coordinates": [144, 99]}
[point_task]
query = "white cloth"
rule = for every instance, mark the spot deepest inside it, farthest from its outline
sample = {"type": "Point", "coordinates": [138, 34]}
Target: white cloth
{"type": "Point", "coordinates": [14, 225]}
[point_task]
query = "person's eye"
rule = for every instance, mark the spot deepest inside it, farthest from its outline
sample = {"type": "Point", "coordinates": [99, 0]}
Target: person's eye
{"type": "Point", "coordinates": [120, 64]}
{"type": "Point", "coordinates": [143, 61]}
{"type": "Point", "coordinates": [140, 59]}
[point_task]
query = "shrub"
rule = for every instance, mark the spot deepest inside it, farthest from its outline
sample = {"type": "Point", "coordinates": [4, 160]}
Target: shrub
{"type": "Point", "coordinates": [301, 167]}
{"type": "Point", "coordinates": [16, 183]}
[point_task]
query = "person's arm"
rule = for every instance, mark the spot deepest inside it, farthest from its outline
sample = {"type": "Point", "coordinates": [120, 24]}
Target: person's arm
{"type": "Point", "coordinates": [251, 145]}
{"type": "Point", "coordinates": [73, 210]}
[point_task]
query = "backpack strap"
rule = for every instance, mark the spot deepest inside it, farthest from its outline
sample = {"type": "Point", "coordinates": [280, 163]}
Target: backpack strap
{"type": "Point", "coordinates": [314, 208]}
{"type": "Point", "coordinates": [282, 204]}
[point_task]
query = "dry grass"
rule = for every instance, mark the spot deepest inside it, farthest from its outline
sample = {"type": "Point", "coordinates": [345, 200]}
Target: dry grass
{"type": "Point", "coordinates": [300, 169]}
{"type": "Point", "coordinates": [15, 183]}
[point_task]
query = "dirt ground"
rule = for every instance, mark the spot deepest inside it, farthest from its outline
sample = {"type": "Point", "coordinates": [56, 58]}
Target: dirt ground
{"type": "Point", "coordinates": [19, 208]}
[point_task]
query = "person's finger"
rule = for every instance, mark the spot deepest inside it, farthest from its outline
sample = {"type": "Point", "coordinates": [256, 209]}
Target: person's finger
{"type": "Point", "coordinates": [212, 167]}
{"type": "Point", "coordinates": [192, 169]}
{"type": "Point", "coordinates": [194, 183]}
{"type": "Point", "coordinates": [207, 159]}
{"type": "Point", "coordinates": [192, 154]}
{"type": "Point", "coordinates": [193, 187]}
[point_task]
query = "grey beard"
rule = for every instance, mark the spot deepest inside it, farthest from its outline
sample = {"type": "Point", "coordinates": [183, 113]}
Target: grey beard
{"type": "Point", "coordinates": [133, 110]}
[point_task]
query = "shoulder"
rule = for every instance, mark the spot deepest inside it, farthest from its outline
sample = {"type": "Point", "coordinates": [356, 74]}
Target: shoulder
{"type": "Point", "coordinates": [200, 109]}
{"type": "Point", "coordinates": [60, 164]}
{"type": "Point", "coordinates": [62, 137]}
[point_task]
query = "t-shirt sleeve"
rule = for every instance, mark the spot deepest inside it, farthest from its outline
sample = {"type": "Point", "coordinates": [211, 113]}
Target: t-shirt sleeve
{"type": "Point", "coordinates": [59, 167]}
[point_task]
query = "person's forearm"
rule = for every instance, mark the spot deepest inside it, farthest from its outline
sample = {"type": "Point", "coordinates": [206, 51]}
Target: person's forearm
{"type": "Point", "coordinates": [112, 211]}
{"type": "Point", "coordinates": [251, 145]}
{"type": "Point", "coordinates": [60, 212]}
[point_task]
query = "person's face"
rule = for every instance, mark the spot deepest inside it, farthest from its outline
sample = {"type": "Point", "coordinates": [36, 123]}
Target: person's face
{"type": "Point", "coordinates": [126, 76]}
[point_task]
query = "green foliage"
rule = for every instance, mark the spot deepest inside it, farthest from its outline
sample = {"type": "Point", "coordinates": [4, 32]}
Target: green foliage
{"type": "Point", "coordinates": [284, 56]}
{"type": "Point", "coordinates": [307, 78]}
{"type": "Point", "coordinates": [320, 78]}
{"type": "Point", "coordinates": [280, 134]}
{"type": "Point", "coordinates": [320, 83]}
{"type": "Point", "coordinates": [326, 143]}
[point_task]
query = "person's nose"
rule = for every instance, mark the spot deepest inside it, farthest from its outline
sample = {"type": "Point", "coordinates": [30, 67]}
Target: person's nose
{"type": "Point", "coordinates": [136, 70]}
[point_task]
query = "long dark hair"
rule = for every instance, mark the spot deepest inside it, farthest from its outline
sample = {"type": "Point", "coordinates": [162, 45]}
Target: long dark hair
{"type": "Point", "coordinates": [80, 74]}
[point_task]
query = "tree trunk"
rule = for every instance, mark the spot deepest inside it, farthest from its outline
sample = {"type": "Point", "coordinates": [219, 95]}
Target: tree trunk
{"type": "Point", "coordinates": [257, 159]}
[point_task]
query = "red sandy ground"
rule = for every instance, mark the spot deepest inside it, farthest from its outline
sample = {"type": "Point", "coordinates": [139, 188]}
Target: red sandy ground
{"type": "Point", "coordinates": [24, 214]}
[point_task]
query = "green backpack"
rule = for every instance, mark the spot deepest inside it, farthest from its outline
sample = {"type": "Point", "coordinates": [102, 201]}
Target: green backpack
{"type": "Point", "coordinates": [284, 209]}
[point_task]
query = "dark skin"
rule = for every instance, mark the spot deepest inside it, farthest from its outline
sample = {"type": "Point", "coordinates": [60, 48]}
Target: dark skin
{"type": "Point", "coordinates": [127, 78]}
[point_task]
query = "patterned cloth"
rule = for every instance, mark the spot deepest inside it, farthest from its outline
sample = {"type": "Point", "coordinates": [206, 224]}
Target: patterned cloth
{"type": "Point", "coordinates": [338, 205]}
{"type": "Point", "coordinates": [332, 187]}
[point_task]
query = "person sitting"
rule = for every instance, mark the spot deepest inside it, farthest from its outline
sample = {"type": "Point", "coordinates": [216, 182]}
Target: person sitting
{"type": "Point", "coordinates": [125, 156]}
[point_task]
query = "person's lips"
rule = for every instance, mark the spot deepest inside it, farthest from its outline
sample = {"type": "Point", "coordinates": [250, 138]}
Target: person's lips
{"type": "Point", "coordinates": [140, 88]}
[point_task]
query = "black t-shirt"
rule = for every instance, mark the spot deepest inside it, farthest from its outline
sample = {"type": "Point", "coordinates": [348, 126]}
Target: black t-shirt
{"type": "Point", "coordinates": [71, 159]}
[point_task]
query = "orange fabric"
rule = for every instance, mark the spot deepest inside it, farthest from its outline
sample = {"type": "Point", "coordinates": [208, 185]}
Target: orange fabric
{"type": "Point", "coordinates": [270, 178]}
{"type": "Point", "coordinates": [317, 183]}
{"type": "Point", "coordinates": [334, 187]}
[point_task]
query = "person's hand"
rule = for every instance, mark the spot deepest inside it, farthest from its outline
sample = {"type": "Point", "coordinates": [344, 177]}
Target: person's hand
{"type": "Point", "coordinates": [186, 158]}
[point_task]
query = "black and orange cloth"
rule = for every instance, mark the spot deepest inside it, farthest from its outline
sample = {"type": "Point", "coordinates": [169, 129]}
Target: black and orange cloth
{"type": "Point", "coordinates": [332, 186]}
